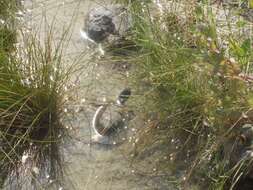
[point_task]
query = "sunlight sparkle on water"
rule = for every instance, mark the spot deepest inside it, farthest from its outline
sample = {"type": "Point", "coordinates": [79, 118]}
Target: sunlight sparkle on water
{"type": "Point", "coordinates": [36, 170]}
{"type": "Point", "coordinates": [101, 50]}
{"type": "Point", "coordinates": [24, 158]}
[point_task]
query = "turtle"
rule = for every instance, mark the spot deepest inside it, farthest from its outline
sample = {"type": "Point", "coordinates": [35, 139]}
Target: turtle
{"type": "Point", "coordinates": [102, 133]}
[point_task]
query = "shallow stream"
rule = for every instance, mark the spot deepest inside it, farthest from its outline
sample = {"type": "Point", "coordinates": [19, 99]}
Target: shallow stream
{"type": "Point", "coordinates": [90, 166]}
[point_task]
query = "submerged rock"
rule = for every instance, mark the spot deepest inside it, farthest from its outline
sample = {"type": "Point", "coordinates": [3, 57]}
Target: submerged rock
{"type": "Point", "coordinates": [100, 27]}
{"type": "Point", "coordinates": [105, 21]}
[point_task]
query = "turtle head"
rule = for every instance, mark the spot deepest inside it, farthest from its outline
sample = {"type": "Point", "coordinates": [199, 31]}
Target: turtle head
{"type": "Point", "coordinates": [123, 96]}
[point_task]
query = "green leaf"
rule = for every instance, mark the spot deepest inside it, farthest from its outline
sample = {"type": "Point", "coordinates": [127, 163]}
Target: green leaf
{"type": "Point", "coordinates": [236, 48]}
{"type": "Point", "coordinates": [246, 46]}
{"type": "Point", "coordinates": [251, 4]}
{"type": "Point", "coordinates": [240, 24]}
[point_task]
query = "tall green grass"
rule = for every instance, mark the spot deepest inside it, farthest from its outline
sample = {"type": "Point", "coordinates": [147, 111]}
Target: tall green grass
{"type": "Point", "coordinates": [8, 9]}
{"type": "Point", "coordinates": [32, 86]}
{"type": "Point", "coordinates": [195, 90]}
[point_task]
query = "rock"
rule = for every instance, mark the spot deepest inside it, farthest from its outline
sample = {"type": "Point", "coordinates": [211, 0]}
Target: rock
{"type": "Point", "coordinates": [100, 27]}
{"type": "Point", "coordinates": [105, 21]}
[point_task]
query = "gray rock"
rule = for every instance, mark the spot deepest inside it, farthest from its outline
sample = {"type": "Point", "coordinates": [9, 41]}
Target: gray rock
{"type": "Point", "coordinates": [105, 21]}
{"type": "Point", "coordinates": [100, 27]}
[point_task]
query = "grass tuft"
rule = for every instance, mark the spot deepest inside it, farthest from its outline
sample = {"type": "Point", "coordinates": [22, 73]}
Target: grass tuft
{"type": "Point", "coordinates": [32, 89]}
{"type": "Point", "coordinates": [198, 90]}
